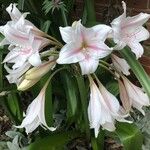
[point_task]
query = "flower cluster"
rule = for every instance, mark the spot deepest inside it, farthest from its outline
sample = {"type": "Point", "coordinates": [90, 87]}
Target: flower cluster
{"type": "Point", "coordinates": [85, 46]}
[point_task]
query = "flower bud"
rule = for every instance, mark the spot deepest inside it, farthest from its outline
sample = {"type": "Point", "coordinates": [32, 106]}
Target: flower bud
{"type": "Point", "coordinates": [26, 84]}
{"type": "Point", "coordinates": [38, 72]}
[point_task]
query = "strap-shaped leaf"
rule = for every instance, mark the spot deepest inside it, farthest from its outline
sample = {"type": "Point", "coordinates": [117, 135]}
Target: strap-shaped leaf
{"type": "Point", "coordinates": [12, 105]}
{"type": "Point", "coordinates": [54, 141]}
{"type": "Point", "coordinates": [130, 136]}
{"type": "Point", "coordinates": [70, 88]}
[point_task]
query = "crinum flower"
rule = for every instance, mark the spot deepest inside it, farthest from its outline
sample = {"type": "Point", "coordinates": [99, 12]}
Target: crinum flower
{"type": "Point", "coordinates": [104, 109]}
{"type": "Point", "coordinates": [84, 45]}
{"type": "Point", "coordinates": [132, 96]}
{"type": "Point", "coordinates": [35, 114]}
{"type": "Point", "coordinates": [129, 31]}
{"type": "Point", "coordinates": [120, 64]}
{"type": "Point", "coordinates": [24, 38]}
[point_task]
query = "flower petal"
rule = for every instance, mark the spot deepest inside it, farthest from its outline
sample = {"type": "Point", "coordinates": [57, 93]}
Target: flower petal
{"type": "Point", "coordinates": [120, 64]}
{"type": "Point", "coordinates": [136, 48]}
{"type": "Point", "coordinates": [136, 21]}
{"type": "Point", "coordinates": [112, 106]}
{"type": "Point", "coordinates": [98, 49]}
{"type": "Point", "coordinates": [88, 65]}
{"type": "Point", "coordinates": [67, 34]}
{"type": "Point", "coordinates": [35, 59]}
{"type": "Point", "coordinates": [13, 12]}
{"type": "Point", "coordinates": [32, 111]}
{"type": "Point", "coordinates": [109, 126]}
{"type": "Point", "coordinates": [4, 42]}
{"type": "Point", "coordinates": [117, 24]}
{"type": "Point", "coordinates": [94, 108]}
{"type": "Point", "coordinates": [70, 53]}
{"type": "Point", "coordinates": [102, 31]}
{"type": "Point", "coordinates": [110, 100]}
{"type": "Point", "coordinates": [30, 127]}
{"type": "Point", "coordinates": [126, 101]}
{"type": "Point", "coordinates": [15, 74]}
{"type": "Point", "coordinates": [137, 96]}
{"type": "Point", "coordinates": [140, 34]}
{"type": "Point", "coordinates": [16, 37]}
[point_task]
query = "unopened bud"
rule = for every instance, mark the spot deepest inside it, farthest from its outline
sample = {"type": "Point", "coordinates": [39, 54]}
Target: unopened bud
{"type": "Point", "coordinates": [26, 84]}
{"type": "Point", "coordinates": [38, 72]}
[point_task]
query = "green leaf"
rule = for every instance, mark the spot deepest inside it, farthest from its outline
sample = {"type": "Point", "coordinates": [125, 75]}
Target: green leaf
{"type": "Point", "coordinates": [84, 103]}
{"type": "Point", "coordinates": [49, 105]}
{"type": "Point", "coordinates": [1, 65]}
{"type": "Point", "coordinates": [90, 12]}
{"type": "Point", "coordinates": [71, 94]}
{"type": "Point", "coordinates": [130, 136]}
{"type": "Point", "coordinates": [21, 4]}
{"type": "Point", "coordinates": [46, 26]}
{"type": "Point", "coordinates": [12, 105]}
{"type": "Point", "coordinates": [98, 143]}
{"type": "Point", "coordinates": [113, 87]}
{"type": "Point", "coordinates": [54, 141]}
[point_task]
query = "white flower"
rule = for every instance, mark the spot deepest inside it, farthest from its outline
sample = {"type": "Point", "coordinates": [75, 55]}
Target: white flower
{"type": "Point", "coordinates": [129, 31]}
{"type": "Point", "coordinates": [132, 96]}
{"type": "Point", "coordinates": [84, 45]}
{"type": "Point", "coordinates": [24, 38]}
{"type": "Point", "coordinates": [103, 109]}
{"type": "Point", "coordinates": [35, 114]}
{"type": "Point", "coordinates": [120, 64]}
{"type": "Point", "coordinates": [15, 75]}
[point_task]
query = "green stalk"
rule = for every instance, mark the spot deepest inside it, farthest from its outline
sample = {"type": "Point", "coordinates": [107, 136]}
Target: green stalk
{"type": "Point", "coordinates": [136, 67]}
{"type": "Point", "coordinates": [83, 97]}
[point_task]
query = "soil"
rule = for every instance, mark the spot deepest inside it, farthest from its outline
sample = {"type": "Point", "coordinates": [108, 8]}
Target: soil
{"type": "Point", "coordinates": [5, 125]}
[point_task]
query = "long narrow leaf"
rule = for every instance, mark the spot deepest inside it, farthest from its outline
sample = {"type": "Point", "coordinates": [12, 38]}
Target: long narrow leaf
{"type": "Point", "coordinates": [130, 136]}
{"type": "Point", "coordinates": [71, 95]}
{"type": "Point", "coordinates": [53, 141]}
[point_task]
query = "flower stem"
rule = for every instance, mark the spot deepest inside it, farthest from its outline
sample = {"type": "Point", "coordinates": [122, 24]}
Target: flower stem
{"type": "Point", "coordinates": [53, 40]}
{"type": "Point", "coordinates": [106, 68]}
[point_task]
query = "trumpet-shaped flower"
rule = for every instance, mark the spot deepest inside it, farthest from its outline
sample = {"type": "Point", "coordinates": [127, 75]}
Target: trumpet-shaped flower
{"type": "Point", "coordinates": [35, 114]}
{"type": "Point", "coordinates": [120, 64]}
{"type": "Point", "coordinates": [129, 31]}
{"type": "Point", "coordinates": [132, 96]}
{"type": "Point", "coordinates": [103, 109]}
{"type": "Point", "coordinates": [15, 75]}
{"type": "Point", "coordinates": [24, 38]}
{"type": "Point", "coordinates": [84, 45]}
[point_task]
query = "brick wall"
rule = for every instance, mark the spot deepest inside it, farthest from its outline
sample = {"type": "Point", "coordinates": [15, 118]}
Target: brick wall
{"type": "Point", "coordinates": [110, 8]}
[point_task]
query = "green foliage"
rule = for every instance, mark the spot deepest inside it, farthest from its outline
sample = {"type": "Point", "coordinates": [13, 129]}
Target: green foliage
{"type": "Point", "coordinates": [51, 6]}
{"type": "Point", "coordinates": [130, 136]}
{"type": "Point", "coordinates": [54, 141]}
{"type": "Point", "coordinates": [67, 94]}
{"type": "Point", "coordinates": [71, 92]}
